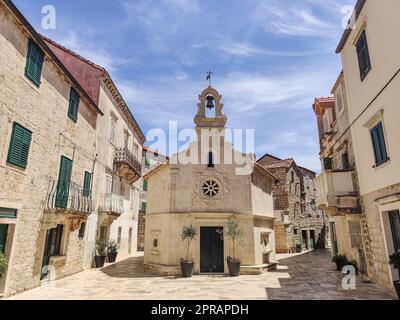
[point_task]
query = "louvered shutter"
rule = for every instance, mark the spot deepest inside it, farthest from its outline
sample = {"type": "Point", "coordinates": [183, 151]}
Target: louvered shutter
{"type": "Point", "coordinates": [363, 55]}
{"type": "Point", "coordinates": [34, 63]}
{"type": "Point", "coordinates": [19, 146]}
{"type": "Point", "coordinates": [73, 104]}
{"type": "Point", "coordinates": [63, 183]}
{"type": "Point", "coordinates": [379, 145]}
{"type": "Point", "coordinates": [86, 184]}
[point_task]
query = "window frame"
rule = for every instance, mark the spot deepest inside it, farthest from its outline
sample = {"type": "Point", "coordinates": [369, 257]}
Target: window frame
{"type": "Point", "coordinates": [33, 45]}
{"type": "Point", "coordinates": [364, 50]}
{"type": "Point", "coordinates": [87, 184]}
{"type": "Point", "coordinates": [381, 146]}
{"type": "Point", "coordinates": [113, 129]}
{"type": "Point", "coordinates": [73, 106]}
{"type": "Point", "coordinates": [19, 163]}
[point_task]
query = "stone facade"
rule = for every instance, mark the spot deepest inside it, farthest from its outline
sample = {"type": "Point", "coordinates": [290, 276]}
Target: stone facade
{"type": "Point", "coordinates": [52, 222]}
{"type": "Point", "coordinates": [116, 186]}
{"type": "Point", "coordinates": [297, 220]}
{"type": "Point", "coordinates": [42, 110]}
{"type": "Point", "coordinates": [346, 223]}
{"type": "Point", "coordinates": [207, 195]}
{"type": "Point", "coordinates": [369, 100]}
{"type": "Point", "coordinates": [150, 160]}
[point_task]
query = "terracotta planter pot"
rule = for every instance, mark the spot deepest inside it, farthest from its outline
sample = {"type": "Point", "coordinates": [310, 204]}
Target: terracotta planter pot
{"type": "Point", "coordinates": [397, 287]}
{"type": "Point", "coordinates": [112, 256]}
{"type": "Point", "coordinates": [187, 269]}
{"type": "Point", "coordinates": [234, 268]}
{"type": "Point", "coordinates": [99, 261]}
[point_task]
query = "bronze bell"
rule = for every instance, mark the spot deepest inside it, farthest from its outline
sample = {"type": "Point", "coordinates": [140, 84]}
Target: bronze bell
{"type": "Point", "coordinates": [210, 102]}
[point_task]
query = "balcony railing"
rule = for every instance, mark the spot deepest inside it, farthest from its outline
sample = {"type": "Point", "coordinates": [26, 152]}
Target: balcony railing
{"type": "Point", "coordinates": [68, 198]}
{"type": "Point", "coordinates": [126, 165]}
{"type": "Point", "coordinates": [337, 192]}
{"type": "Point", "coordinates": [111, 204]}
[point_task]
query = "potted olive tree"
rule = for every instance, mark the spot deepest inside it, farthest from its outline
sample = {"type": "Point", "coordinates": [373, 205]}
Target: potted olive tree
{"type": "Point", "coordinates": [3, 265]}
{"type": "Point", "coordinates": [235, 235]}
{"type": "Point", "coordinates": [101, 253]}
{"type": "Point", "coordinates": [395, 262]}
{"type": "Point", "coordinates": [112, 251]}
{"type": "Point", "coordinates": [188, 235]}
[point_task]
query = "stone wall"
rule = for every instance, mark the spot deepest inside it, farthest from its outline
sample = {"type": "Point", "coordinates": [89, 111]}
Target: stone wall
{"type": "Point", "coordinates": [43, 111]}
{"type": "Point", "coordinates": [377, 255]}
{"type": "Point", "coordinates": [154, 160]}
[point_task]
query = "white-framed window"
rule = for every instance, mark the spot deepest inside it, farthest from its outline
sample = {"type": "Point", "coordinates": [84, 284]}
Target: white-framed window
{"type": "Point", "coordinates": [113, 129]}
{"type": "Point", "coordinates": [135, 150]}
{"type": "Point", "coordinates": [339, 100]}
{"type": "Point", "coordinates": [133, 199]}
{"type": "Point", "coordinates": [108, 184]}
{"type": "Point", "coordinates": [328, 120]}
{"type": "Point", "coordinates": [126, 139]}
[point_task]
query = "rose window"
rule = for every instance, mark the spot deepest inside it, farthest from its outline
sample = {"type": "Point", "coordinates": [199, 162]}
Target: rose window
{"type": "Point", "coordinates": [211, 188]}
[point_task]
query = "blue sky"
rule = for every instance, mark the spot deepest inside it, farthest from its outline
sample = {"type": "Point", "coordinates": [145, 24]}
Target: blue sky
{"type": "Point", "coordinates": [270, 58]}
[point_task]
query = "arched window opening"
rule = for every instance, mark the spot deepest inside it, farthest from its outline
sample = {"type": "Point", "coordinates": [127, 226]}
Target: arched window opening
{"type": "Point", "coordinates": [210, 160]}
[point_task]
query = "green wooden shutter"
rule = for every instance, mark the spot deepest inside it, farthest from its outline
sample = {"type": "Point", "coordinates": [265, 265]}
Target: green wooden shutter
{"type": "Point", "coordinates": [328, 164]}
{"type": "Point", "coordinates": [145, 185]}
{"type": "Point", "coordinates": [73, 105]}
{"type": "Point", "coordinates": [144, 206]}
{"type": "Point", "coordinates": [379, 145]}
{"type": "Point", "coordinates": [146, 161]}
{"type": "Point", "coordinates": [64, 181]}
{"type": "Point", "coordinates": [18, 153]}
{"type": "Point", "coordinates": [364, 60]}
{"type": "Point", "coordinates": [87, 184]}
{"type": "Point", "coordinates": [34, 63]}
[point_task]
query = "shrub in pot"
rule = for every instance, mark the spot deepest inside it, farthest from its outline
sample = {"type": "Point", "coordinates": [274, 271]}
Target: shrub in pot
{"type": "Point", "coordinates": [234, 234]}
{"type": "Point", "coordinates": [101, 253]}
{"type": "Point", "coordinates": [395, 262]}
{"type": "Point", "coordinates": [188, 235]}
{"type": "Point", "coordinates": [340, 260]}
{"type": "Point", "coordinates": [112, 251]}
{"type": "Point", "coordinates": [3, 265]}
{"type": "Point", "coordinates": [299, 248]}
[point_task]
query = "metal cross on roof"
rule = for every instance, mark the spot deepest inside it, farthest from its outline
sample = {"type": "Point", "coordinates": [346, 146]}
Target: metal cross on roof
{"type": "Point", "coordinates": [209, 74]}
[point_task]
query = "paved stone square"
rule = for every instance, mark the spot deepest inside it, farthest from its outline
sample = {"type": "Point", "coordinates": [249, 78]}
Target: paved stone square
{"type": "Point", "coordinates": [308, 276]}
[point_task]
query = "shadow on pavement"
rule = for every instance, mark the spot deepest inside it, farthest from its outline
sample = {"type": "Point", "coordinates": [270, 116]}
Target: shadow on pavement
{"type": "Point", "coordinates": [312, 276]}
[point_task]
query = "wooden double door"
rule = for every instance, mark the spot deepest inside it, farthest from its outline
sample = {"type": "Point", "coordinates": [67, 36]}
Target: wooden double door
{"type": "Point", "coordinates": [211, 250]}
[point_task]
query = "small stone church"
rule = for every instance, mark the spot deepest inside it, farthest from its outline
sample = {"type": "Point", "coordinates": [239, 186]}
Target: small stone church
{"type": "Point", "coordinates": [207, 191]}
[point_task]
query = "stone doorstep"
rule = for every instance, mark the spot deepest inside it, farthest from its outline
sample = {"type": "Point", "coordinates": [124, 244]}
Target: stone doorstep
{"type": "Point", "coordinates": [244, 270]}
{"type": "Point", "coordinates": [258, 269]}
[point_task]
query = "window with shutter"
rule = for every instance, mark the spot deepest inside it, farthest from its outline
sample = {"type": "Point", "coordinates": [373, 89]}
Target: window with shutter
{"type": "Point", "coordinates": [364, 61]}
{"type": "Point", "coordinates": [328, 164]}
{"type": "Point", "coordinates": [64, 181]}
{"type": "Point", "coordinates": [146, 162]}
{"type": "Point", "coordinates": [144, 206]}
{"type": "Point", "coordinates": [55, 237]}
{"type": "Point", "coordinates": [87, 184]}
{"type": "Point", "coordinates": [145, 185]}
{"type": "Point", "coordinates": [18, 152]}
{"type": "Point", "coordinates": [73, 105]}
{"type": "Point", "coordinates": [34, 63]}
{"type": "Point", "coordinates": [379, 145]}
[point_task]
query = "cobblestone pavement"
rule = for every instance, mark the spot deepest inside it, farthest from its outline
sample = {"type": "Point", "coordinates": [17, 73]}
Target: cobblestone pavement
{"type": "Point", "coordinates": [308, 276]}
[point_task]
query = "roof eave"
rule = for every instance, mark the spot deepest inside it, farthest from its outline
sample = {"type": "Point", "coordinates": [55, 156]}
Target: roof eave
{"type": "Point", "coordinates": [52, 55]}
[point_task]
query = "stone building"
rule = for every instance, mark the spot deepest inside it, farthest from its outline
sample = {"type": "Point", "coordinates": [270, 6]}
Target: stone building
{"type": "Point", "coordinates": [200, 187]}
{"type": "Point", "coordinates": [150, 160]}
{"type": "Point", "coordinates": [337, 186]}
{"type": "Point", "coordinates": [371, 77]}
{"type": "Point", "coordinates": [117, 171]}
{"type": "Point", "coordinates": [297, 219]}
{"type": "Point", "coordinates": [47, 153]}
